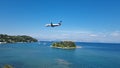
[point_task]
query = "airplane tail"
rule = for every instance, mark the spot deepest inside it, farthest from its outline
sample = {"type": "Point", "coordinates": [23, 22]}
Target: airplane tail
{"type": "Point", "coordinates": [51, 24]}
{"type": "Point", "coordinates": [60, 23]}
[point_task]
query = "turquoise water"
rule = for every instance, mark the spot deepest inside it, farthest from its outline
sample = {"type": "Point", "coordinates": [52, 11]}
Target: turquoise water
{"type": "Point", "coordinates": [41, 55]}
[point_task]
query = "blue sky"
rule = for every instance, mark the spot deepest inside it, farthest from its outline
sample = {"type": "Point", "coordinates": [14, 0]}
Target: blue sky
{"type": "Point", "coordinates": [83, 20]}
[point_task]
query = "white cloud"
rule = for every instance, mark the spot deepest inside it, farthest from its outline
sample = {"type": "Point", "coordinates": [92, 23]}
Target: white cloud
{"type": "Point", "coordinates": [83, 36]}
{"type": "Point", "coordinates": [93, 35]}
{"type": "Point", "coordinates": [116, 33]}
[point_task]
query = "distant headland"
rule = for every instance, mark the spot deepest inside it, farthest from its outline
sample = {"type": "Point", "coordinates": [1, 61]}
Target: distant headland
{"type": "Point", "coordinates": [64, 45]}
{"type": "Point", "coordinates": [4, 38]}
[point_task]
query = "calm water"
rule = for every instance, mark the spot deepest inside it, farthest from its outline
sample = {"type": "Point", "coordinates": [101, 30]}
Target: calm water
{"type": "Point", "coordinates": [41, 55]}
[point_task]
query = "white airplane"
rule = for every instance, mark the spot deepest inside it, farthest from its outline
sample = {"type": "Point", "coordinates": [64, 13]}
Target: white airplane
{"type": "Point", "coordinates": [53, 25]}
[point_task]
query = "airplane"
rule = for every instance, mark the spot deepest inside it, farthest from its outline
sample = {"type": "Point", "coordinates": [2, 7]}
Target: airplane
{"type": "Point", "coordinates": [53, 25]}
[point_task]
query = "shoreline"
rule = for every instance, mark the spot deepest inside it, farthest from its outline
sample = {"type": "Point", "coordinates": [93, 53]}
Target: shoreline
{"type": "Point", "coordinates": [3, 42]}
{"type": "Point", "coordinates": [67, 47]}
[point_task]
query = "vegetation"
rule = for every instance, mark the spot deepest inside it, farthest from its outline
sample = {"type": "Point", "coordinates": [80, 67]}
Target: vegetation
{"type": "Point", "coordinates": [64, 44]}
{"type": "Point", "coordinates": [7, 66]}
{"type": "Point", "coordinates": [13, 39]}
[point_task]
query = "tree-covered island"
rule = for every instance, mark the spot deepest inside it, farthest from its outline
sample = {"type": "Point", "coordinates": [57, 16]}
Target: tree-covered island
{"type": "Point", "coordinates": [14, 39]}
{"type": "Point", "coordinates": [64, 45]}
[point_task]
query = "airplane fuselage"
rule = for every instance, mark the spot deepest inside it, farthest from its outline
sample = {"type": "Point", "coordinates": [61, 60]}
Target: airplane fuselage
{"type": "Point", "coordinates": [52, 25]}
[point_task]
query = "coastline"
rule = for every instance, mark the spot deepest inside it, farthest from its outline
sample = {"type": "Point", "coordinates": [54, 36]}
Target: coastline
{"type": "Point", "coordinates": [66, 47]}
{"type": "Point", "coordinates": [14, 42]}
{"type": "Point", "coordinates": [3, 42]}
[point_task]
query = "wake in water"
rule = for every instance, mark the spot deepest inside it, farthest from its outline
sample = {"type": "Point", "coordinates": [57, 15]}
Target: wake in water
{"type": "Point", "coordinates": [63, 63]}
{"type": "Point", "coordinates": [79, 47]}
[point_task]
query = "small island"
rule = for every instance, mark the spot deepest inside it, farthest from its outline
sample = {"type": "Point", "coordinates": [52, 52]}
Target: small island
{"type": "Point", "coordinates": [15, 39]}
{"type": "Point", "coordinates": [64, 45]}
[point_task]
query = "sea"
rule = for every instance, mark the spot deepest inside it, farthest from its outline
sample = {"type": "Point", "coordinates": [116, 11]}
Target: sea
{"type": "Point", "coordinates": [41, 55]}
